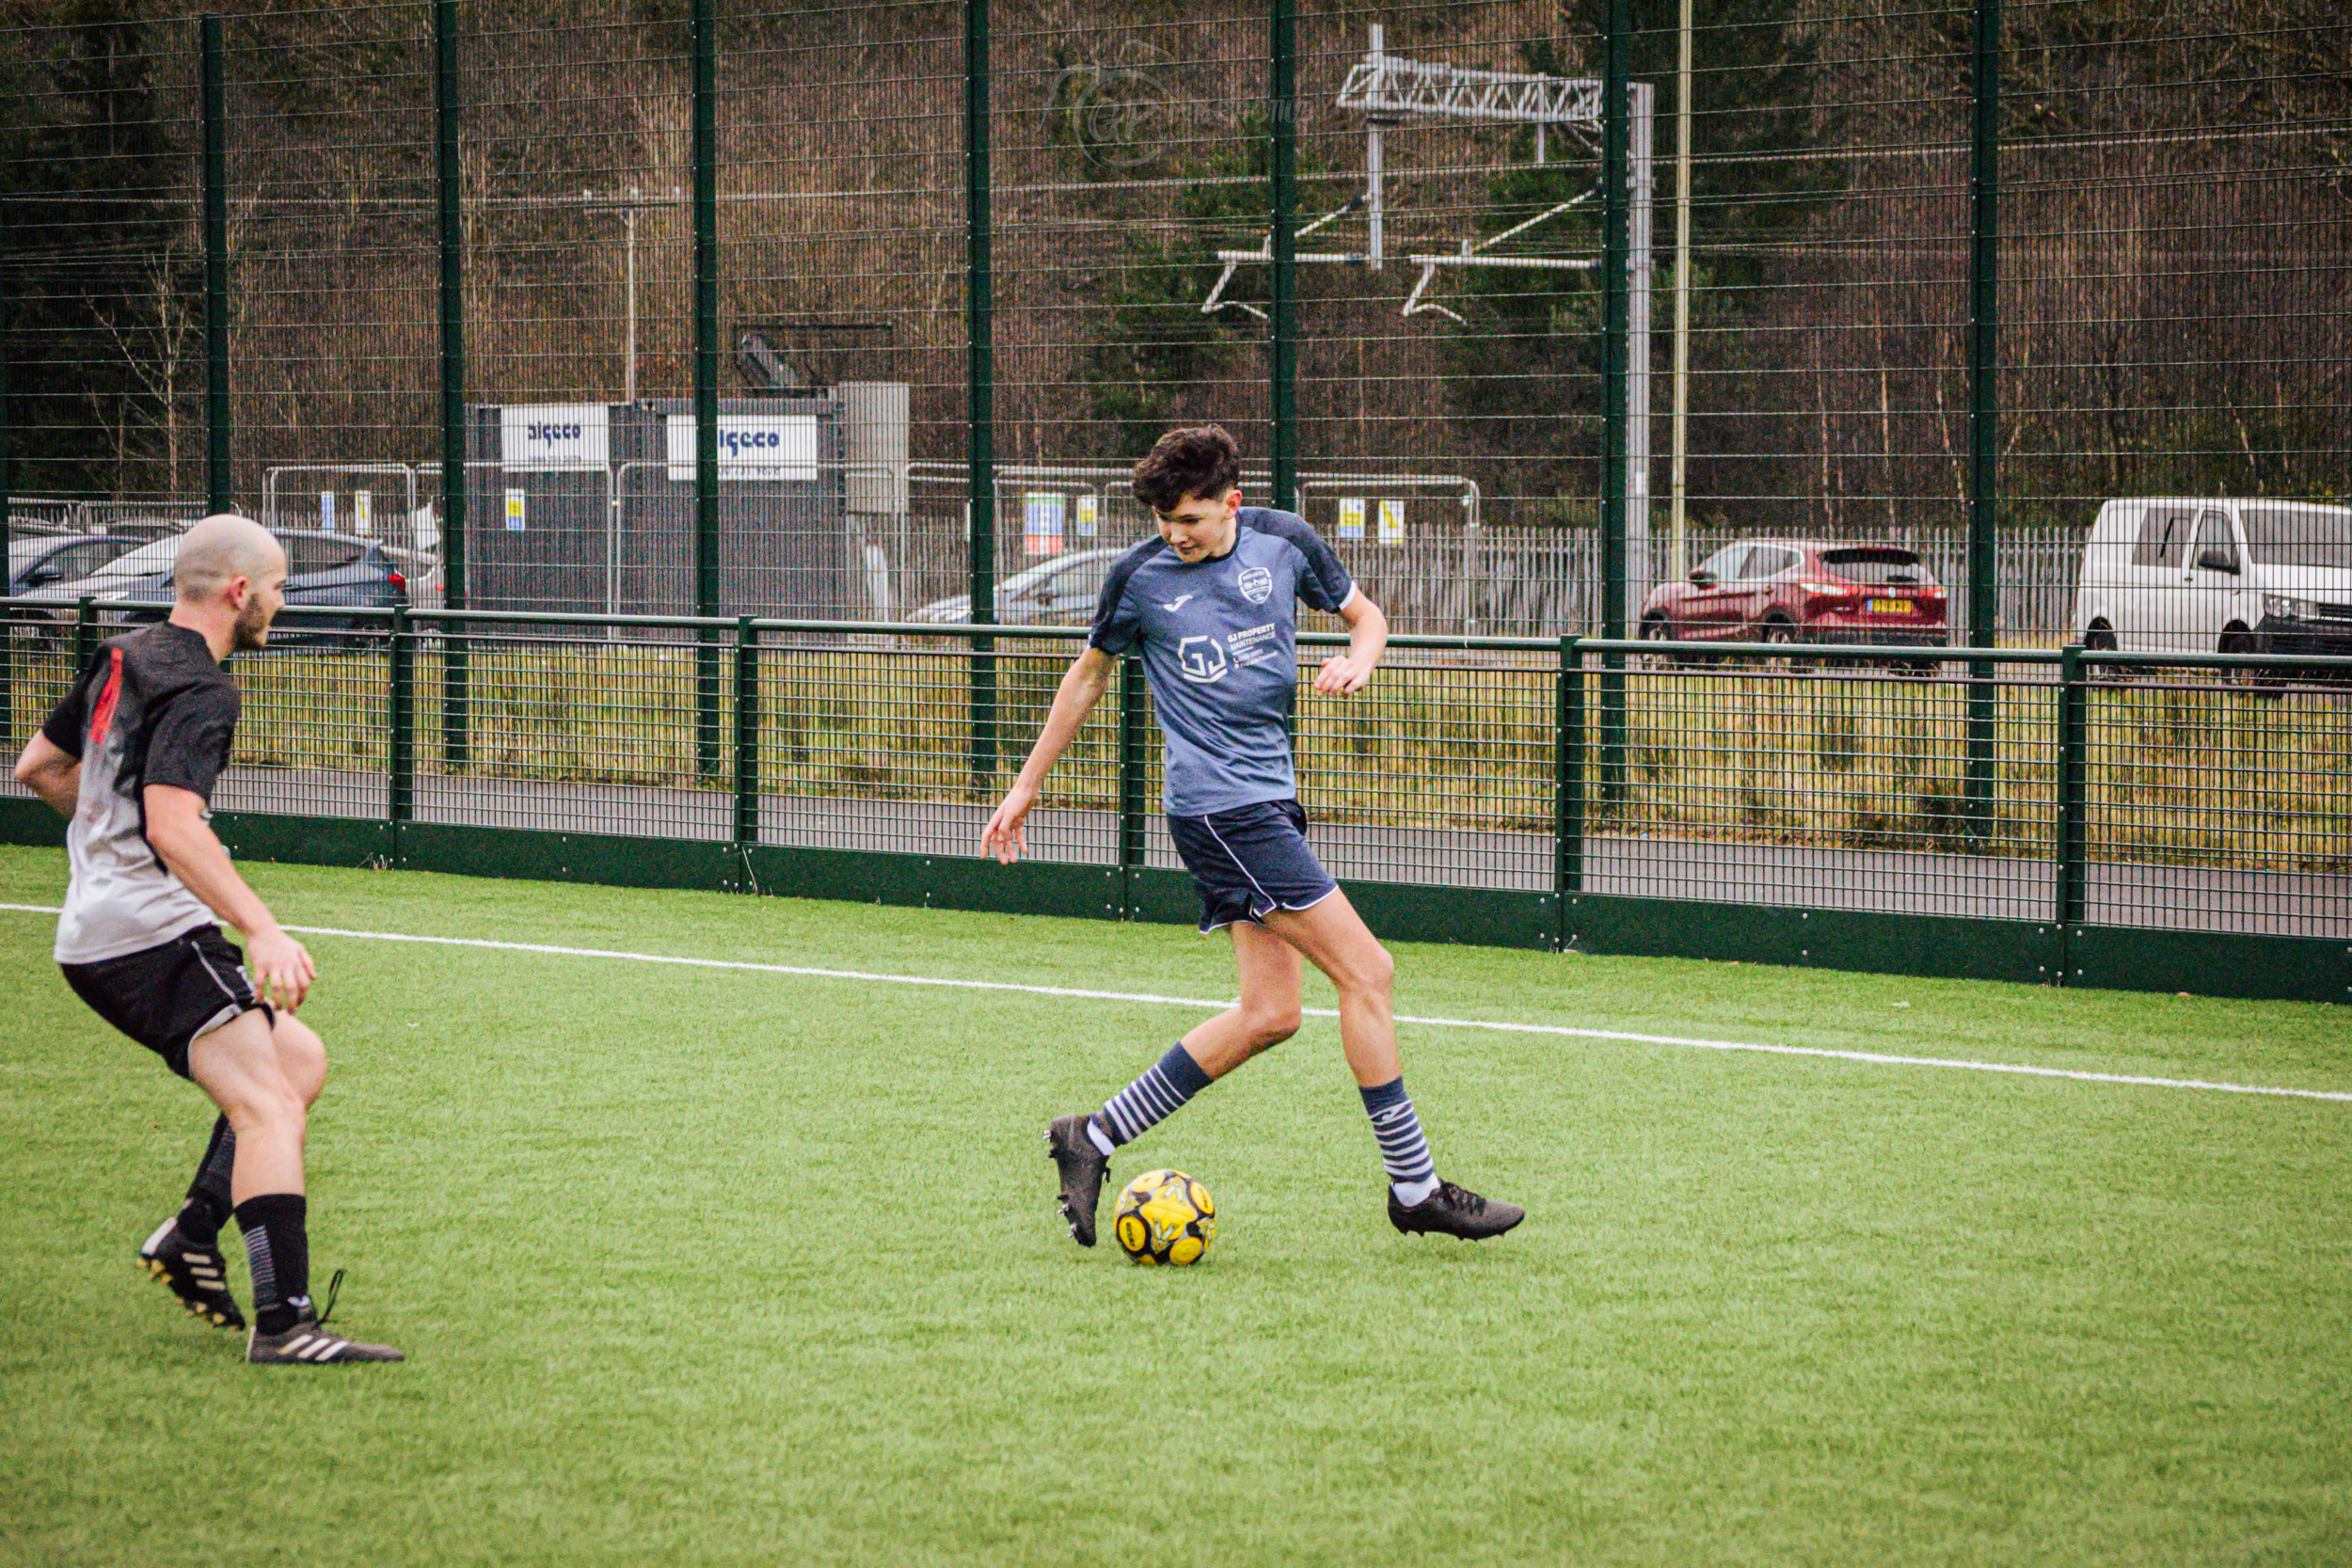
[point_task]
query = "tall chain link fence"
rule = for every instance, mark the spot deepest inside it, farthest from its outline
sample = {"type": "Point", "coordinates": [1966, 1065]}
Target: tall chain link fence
{"type": "Point", "coordinates": [653, 399]}
{"type": "Point", "coordinates": [1532, 310]}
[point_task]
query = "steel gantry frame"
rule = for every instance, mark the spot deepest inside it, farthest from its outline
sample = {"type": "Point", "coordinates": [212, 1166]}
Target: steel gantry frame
{"type": "Point", "coordinates": [1391, 90]}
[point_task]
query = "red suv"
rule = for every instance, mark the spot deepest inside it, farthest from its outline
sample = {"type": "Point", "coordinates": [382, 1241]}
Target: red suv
{"type": "Point", "coordinates": [1801, 591]}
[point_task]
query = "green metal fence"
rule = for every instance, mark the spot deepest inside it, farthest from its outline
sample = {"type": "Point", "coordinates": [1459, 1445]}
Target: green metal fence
{"type": "Point", "coordinates": [2080, 817]}
{"type": "Point", "coordinates": [1586, 323]}
{"type": "Point", "coordinates": [1565, 298]}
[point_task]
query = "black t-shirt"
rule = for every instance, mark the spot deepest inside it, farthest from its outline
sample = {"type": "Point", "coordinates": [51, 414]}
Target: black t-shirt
{"type": "Point", "coordinates": [151, 707]}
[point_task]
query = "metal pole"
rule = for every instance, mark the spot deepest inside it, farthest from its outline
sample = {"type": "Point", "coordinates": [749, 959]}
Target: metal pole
{"type": "Point", "coordinates": [706, 382]}
{"type": "Point", "coordinates": [1283, 164]}
{"type": "Point", "coordinates": [1616, 243]}
{"type": "Point", "coordinates": [746, 733]}
{"type": "Point", "coordinates": [628, 375]}
{"type": "Point", "coordinates": [216, 478]}
{"type": "Point", "coordinates": [1679, 558]}
{"type": "Point", "coordinates": [1983, 409]}
{"type": "Point", "coordinates": [979, 386]}
{"type": "Point", "coordinates": [1567, 864]}
{"type": "Point", "coordinates": [2073, 785]}
{"type": "Point", "coordinates": [1134, 764]}
{"type": "Point", "coordinates": [449, 195]}
{"type": "Point", "coordinates": [8, 646]}
{"type": "Point", "coordinates": [401, 727]}
{"type": "Point", "coordinates": [1375, 159]}
{"type": "Point", "coordinates": [1641, 268]}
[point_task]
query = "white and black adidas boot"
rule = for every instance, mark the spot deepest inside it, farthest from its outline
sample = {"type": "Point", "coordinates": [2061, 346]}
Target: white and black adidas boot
{"type": "Point", "coordinates": [199, 1276]}
{"type": "Point", "coordinates": [308, 1343]}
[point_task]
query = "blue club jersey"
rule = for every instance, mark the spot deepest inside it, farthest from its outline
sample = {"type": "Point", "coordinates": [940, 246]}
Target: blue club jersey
{"type": "Point", "coordinates": [1221, 652]}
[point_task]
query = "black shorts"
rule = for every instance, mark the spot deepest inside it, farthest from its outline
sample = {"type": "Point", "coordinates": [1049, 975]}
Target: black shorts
{"type": "Point", "coordinates": [165, 997]}
{"type": "Point", "coordinates": [1249, 861]}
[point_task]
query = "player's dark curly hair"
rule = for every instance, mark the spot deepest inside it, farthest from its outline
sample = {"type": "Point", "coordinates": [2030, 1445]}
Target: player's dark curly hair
{"type": "Point", "coordinates": [1198, 463]}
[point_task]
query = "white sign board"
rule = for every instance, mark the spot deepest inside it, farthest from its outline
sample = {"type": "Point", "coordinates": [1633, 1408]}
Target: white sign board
{"type": "Point", "coordinates": [1351, 516]}
{"type": "Point", "coordinates": [1392, 522]}
{"type": "Point", "coordinates": [364, 512]}
{"type": "Point", "coordinates": [767, 446]}
{"type": "Point", "coordinates": [553, 437]}
{"type": "Point", "coordinates": [1040, 523]}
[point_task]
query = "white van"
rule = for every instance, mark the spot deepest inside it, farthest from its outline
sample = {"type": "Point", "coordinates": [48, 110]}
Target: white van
{"type": "Point", "coordinates": [2215, 575]}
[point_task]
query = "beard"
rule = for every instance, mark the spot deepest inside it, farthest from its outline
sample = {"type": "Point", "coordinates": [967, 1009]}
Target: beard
{"type": "Point", "coordinates": [250, 630]}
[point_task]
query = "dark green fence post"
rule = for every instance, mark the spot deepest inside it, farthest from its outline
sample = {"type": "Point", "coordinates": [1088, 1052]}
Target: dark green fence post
{"type": "Point", "coordinates": [707, 680]}
{"type": "Point", "coordinates": [399, 741]}
{"type": "Point", "coordinates": [1135, 761]}
{"type": "Point", "coordinates": [449, 195]}
{"type": "Point", "coordinates": [1984, 452]}
{"type": "Point", "coordinates": [7, 643]}
{"type": "Point", "coordinates": [2073, 787]}
{"type": "Point", "coordinates": [1282, 164]}
{"type": "Point", "coordinates": [1617, 406]}
{"type": "Point", "coordinates": [746, 732]}
{"type": "Point", "coordinates": [85, 632]}
{"type": "Point", "coordinates": [980, 304]}
{"type": "Point", "coordinates": [1568, 782]}
{"type": "Point", "coordinates": [216, 475]}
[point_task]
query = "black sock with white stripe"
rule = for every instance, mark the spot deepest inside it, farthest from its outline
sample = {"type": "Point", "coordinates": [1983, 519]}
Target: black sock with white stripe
{"type": "Point", "coordinates": [1150, 1099]}
{"type": "Point", "coordinates": [1403, 1151]}
{"type": "Point", "coordinates": [208, 1207]}
{"type": "Point", "coordinates": [278, 1254]}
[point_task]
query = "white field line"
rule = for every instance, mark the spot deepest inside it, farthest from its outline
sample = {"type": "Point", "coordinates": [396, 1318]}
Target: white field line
{"type": "Point", "coordinates": [1874, 1058]}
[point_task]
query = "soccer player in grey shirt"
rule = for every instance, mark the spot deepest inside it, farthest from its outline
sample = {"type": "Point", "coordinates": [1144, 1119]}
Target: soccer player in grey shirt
{"type": "Point", "coordinates": [131, 756]}
{"type": "Point", "coordinates": [1211, 602]}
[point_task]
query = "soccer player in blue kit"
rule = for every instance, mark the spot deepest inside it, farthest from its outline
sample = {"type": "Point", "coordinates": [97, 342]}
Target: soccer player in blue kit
{"type": "Point", "coordinates": [1211, 602]}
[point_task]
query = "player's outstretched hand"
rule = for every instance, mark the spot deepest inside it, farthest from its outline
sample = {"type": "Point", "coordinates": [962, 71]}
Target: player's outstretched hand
{"type": "Point", "coordinates": [1003, 836]}
{"type": "Point", "coordinates": [1342, 674]}
{"type": "Point", "coordinates": [282, 968]}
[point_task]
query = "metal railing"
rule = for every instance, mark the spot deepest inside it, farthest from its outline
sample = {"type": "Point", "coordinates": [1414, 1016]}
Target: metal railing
{"type": "Point", "coordinates": [2069, 790]}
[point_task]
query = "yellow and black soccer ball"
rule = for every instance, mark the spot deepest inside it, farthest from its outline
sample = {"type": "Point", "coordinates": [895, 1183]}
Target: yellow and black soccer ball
{"type": "Point", "coordinates": [1165, 1217]}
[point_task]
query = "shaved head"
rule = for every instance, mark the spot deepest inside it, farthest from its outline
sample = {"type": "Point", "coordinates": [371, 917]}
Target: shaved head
{"type": "Point", "coordinates": [220, 550]}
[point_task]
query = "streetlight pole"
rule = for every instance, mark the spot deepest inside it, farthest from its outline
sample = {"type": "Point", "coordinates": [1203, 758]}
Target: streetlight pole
{"type": "Point", "coordinates": [628, 382]}
{"type": "Point", "coordinates": [1682, 546]}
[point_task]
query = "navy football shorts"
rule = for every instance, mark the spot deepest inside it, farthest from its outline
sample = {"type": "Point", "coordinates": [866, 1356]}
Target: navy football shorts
{"type": "Point", "coordinates": [1249, 861]}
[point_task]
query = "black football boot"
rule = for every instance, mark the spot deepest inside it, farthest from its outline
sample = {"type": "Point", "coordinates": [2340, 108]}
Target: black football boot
{"type": "Point", "coordinates": [199, 1276]}
{"type": "Point", "coordinates": [1083, 1167]}
{"type": "Point", "coordinates": [1453, 1211]}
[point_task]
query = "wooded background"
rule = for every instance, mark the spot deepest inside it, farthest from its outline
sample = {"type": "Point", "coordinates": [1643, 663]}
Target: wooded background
{"type": "Point", "coordinates": [2175, 259]}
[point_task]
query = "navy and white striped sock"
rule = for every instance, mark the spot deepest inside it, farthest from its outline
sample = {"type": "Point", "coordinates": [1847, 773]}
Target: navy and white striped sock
{"type": "Point", "coordinates": [1150, 1099]}
{"type": "Point", "coordinates": [1403, 1151]}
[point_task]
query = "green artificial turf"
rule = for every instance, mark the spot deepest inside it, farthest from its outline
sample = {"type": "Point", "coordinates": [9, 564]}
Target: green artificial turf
{"type": "Point", "coordinates": [708, 1266]}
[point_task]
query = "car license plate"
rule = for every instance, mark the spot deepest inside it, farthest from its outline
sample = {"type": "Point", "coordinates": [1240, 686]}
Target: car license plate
{"type": "Point", "coordinates": [1890, 607]}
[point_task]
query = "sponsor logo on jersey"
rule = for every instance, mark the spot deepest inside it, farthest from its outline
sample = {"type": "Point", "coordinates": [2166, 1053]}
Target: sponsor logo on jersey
{"type": "Point", "coordinates": [1254, 646]}
{"type": "Point", "coordinates": [1201, 659]}
{"type": "Point", "coordinates": [1257, 584]}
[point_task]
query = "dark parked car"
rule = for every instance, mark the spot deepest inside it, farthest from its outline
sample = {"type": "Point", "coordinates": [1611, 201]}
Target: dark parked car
{"type": "Point", "coordinates": [321, 569]}
{"type": "Point", "coordinates": [38, 561]}
{"type": "Point", "coordinates": [1803, 591]}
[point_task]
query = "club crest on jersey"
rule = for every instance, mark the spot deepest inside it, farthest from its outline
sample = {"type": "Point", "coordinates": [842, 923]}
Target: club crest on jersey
{"type": "Point", "coordinates": [1257, 584]}
{"type": "Point", "coordinates": [1202, 659]}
